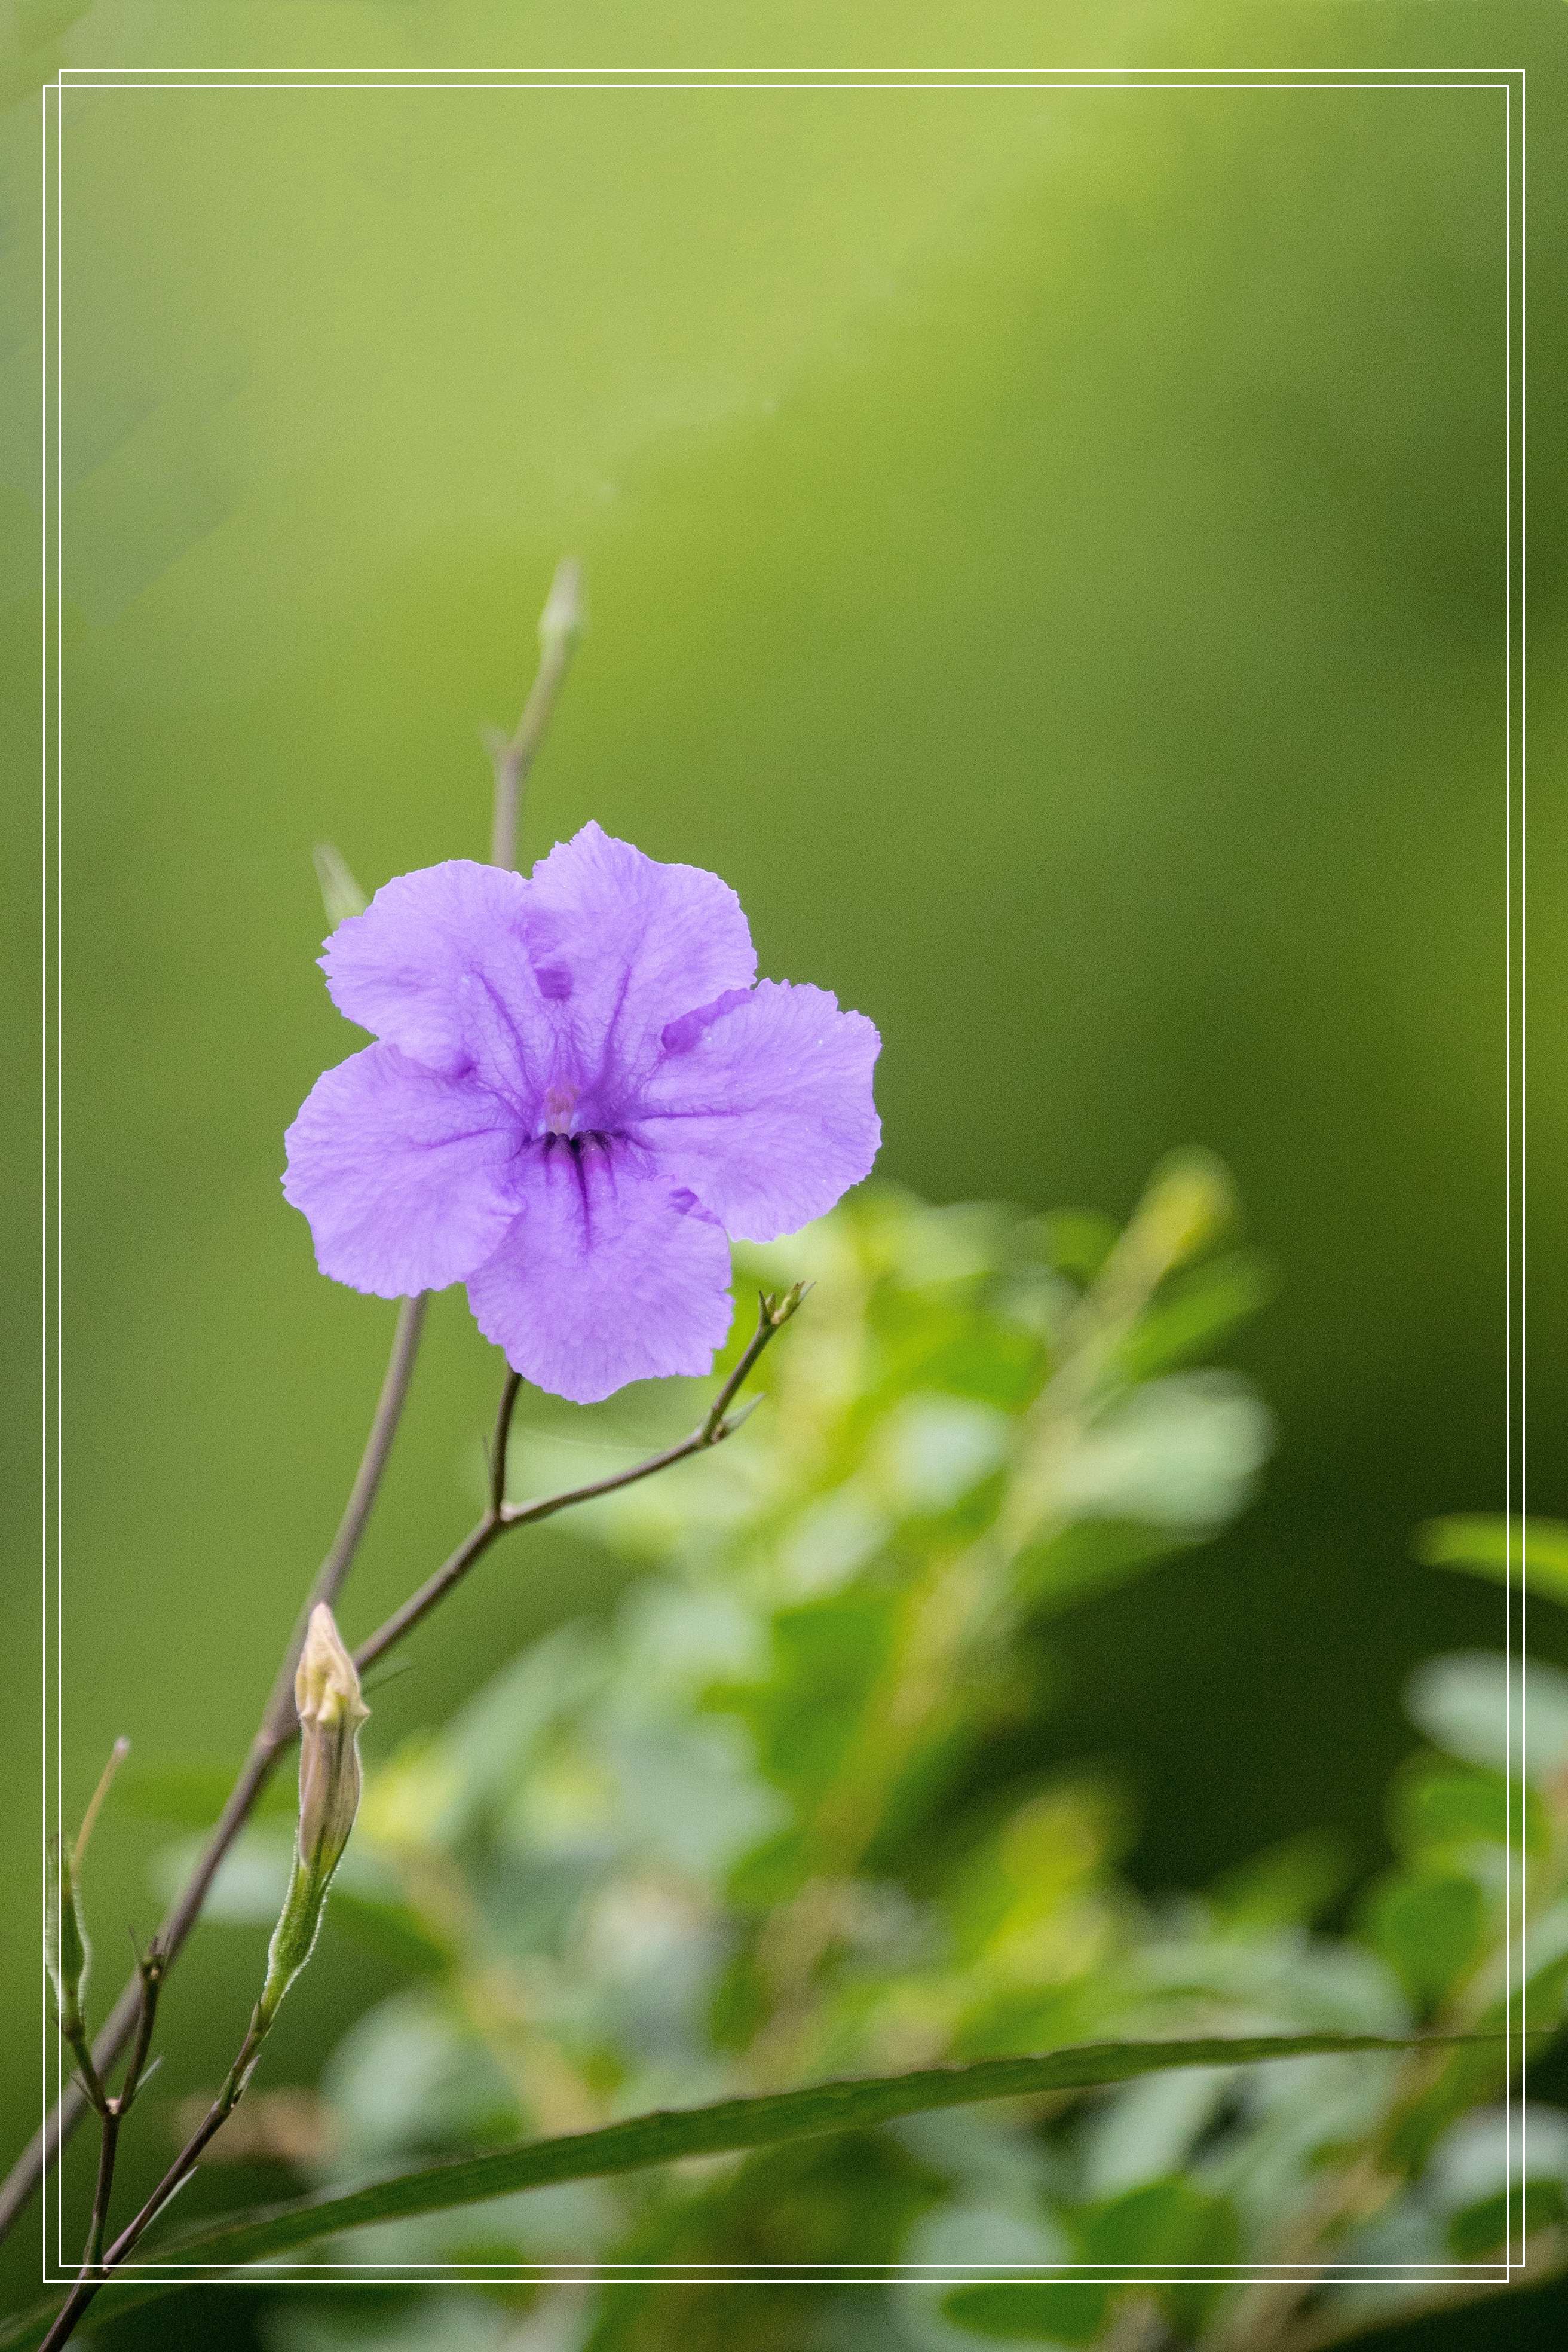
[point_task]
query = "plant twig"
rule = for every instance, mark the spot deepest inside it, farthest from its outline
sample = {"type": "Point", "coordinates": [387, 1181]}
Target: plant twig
{"type": "Point", "coordinates": [774, 1310]}
{"type": "Point", "coordinates": [95, 2271]}
{"type": "Point", "coordinates": [560, 626]}
{"type": "Point", "coordinates": [274, 1734]}
{"type": "Point", "coordinates": [500, 1516]}
{"type": "Point", "coordinates": [149, 1974]}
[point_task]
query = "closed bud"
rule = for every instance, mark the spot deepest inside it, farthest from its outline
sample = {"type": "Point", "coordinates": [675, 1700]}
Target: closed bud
{"type": "Point", "coordinates": [66, 1945]}
{"type": "Point", "coordinates": [562, 621]}
{"type": "Point", "coordinates": [340, 894]}
{"type": "Point", "coordinates": [1188, 1207]}
{"type": "Point", "coordinates": [330, 1709]}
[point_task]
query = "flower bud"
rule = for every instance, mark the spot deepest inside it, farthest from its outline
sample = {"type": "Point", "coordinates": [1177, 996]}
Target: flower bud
{"type": "Point", "coordinates": [560, 623]}
{"type": "Point", "coordinates": [340, 894]}
{"type": "Point", "coordinates": [330, 1709]}
{"type": "Point", "coordinates": [66, 1949]}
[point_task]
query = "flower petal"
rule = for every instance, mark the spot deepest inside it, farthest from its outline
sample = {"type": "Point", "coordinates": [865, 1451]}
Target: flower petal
{"type": "Point", "coordinates": [405, 1174]}
{"type": "Point", "coordinates": [764, 1107]}
{"type": "Point", "coordinates": [623, 945]}
{"type": "Point", "coordinates": [438, 964]}
{"type": "Point", "coordinates": [610, 1274]}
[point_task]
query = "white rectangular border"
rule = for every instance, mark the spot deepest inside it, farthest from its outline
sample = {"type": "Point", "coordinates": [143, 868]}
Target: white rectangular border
{"type": "Point", "coordinates": [1510, 82]}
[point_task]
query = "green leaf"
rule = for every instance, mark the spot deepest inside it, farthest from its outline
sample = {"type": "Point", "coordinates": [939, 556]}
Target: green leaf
{"type": "Point", "coordinates": [666, 2137]}
{"type": "Point", "coordinates": [1283, 1887]}
{"type": "Point", "coordinates": [1088, 1557]}
{"type": "Point", "coordinates": [1160, 2225]}
{"type": "Point", "coordinates": [1075, 1241]}
{"type": "Point", "coordinates": [1435, 1808]}
{"type": "Point", "coordinates": [1478, 1708]}
{"type": "Point", "coordinates": [1197, 1311]}
{"type": "Point", "coordinates": [191, 1792]}
{"type": "Point", "coordinates": [1476, 2229]}
{"type": "Point", "coordinates": [1428, 1927]}
{"type": "Point", "coordinates": [1501, 1549]}
{"type": "Point", "coordinates": [1174, 2225]}
{"type": "Point", "coordinates": [1054, 2311]}
{"type": "Point", "coordinates": [1180, 1453]}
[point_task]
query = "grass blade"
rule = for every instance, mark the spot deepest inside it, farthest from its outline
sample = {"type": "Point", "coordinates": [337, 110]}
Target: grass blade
{"type": "Point", "coordinates": [726, 2128]}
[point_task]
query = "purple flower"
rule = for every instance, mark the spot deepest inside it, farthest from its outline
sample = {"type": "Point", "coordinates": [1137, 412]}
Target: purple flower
{"type": "Point", "coordinates": [580, 1089]}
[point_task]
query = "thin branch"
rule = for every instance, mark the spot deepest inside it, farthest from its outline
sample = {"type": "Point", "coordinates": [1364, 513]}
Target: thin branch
{"type": "Point", "coordinates": [150, 1968]}
{"type": "Point", "coordinates": [112, 2112]}
{"type": "Point", "coordinates": [774, 1310]}
{"type": "Point", "coordinates": [96, 2270]}
{"type": "Point", "coordinates": [334, 1568]}
{"type": "Point", "coordinates": [274, 1734]}
{"type": "Point", "coordinates": [513, 1383]}
{"type": "Point", "coordinates": [718, 1423]}
{"type": "Point", "coordinates": [149, 1971]}
{"type": "Point", "coordinates": [560, 626]}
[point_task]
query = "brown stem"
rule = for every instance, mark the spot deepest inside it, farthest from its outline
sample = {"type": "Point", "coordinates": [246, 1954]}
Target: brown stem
{"type": "Point", "coordinates": [93, 2275]}
{"type": "Point", "coordinates": [273, 1735]}
{"type": "Point", "coordinates": [108, 2147]}
{"type": "Point", "coordinates": [115, 2110]}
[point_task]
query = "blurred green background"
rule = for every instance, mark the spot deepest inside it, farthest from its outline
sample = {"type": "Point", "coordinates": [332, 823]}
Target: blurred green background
{"type": "Point", "coordinates": [1045, 550]}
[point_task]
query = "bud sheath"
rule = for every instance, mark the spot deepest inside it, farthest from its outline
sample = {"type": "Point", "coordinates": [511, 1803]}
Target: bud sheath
{"type": "Point", "coordinates": [330, 1709]}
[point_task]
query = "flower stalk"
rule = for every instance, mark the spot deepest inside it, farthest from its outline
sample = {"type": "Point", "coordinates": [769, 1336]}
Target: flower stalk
{"type": "Point", "coordinates": [329, 1757]}
{"type": "Point", "coordinates": [560, 627]}
{"type": "Point", "coordinates": [331, 1708]}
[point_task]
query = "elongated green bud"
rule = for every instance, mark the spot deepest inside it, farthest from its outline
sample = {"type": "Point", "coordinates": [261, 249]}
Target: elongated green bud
{"type": "Point", "coordinates": [327, 1695]}
{"type": "Point", "coordinates": [340, 894]}
{"type": "Point", "coordinates": [563, 620]}
{"type": "Point", "coordinates": [66, 1950]}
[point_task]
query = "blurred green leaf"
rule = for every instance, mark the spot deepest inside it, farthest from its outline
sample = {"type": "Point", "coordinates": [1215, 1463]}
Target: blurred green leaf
{"type": "Point", "coordinates": [1088, 1557]}
{"type": "Point", "coordinates": [1052, 2311]}
{"type": "Point", "coordinates": [826, 1657]}
{"type": "Point", "coordinates": [1075, 1241]}
{"type": "Point", "coordinates": [1160, 2224]}
{"type": "Point", "coordinates": [1428, 1927]}
{"type": "Point", "coordinates": [1478, 1708]}
{"type": "Point", "coordinates": [1170, 2223]}
{"type": "Point", "coordinates": [1190, 1204]}
{"type": "Point", "coordinates": [1488, 2225]}
{"type": "Point", "coordinates": [1534, 1551]}
{"type": "Point", "coordinates": [1284, 1888]}
{"type": "Point", "coordinates": [1180, 1452]}
{"type": "Point", "coordinates": [190, 1792]}
{"type": "Point", "coordinates": [1041, 1854]}
{"type": "Point", "coordinates": [1197, 1310]}
{"type": "Point", "coordinates": [1434, 1808]}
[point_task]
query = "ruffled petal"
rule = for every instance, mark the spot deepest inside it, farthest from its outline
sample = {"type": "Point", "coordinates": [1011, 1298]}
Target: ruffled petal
{"type": "Point", "coordinates": [405, 1174]}
{"type": "Point", "coordinates": [440, 964]}
{"type": "Point", "coordinates": [622, 946]}
{"type": "Point", "coordinates": [763, 1107]}
{"type": "Point", "coordinates": [609, 1273]}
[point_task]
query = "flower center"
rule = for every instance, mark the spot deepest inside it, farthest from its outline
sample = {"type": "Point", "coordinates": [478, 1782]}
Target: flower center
{"type": "Point", "coordinates": [560, 1110]}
